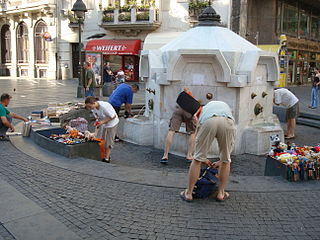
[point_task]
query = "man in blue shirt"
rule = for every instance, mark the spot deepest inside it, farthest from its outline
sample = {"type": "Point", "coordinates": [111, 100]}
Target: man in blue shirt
{"type": "Point", "coordinates": [123, 94]}
{"type": "Point", "coordinates": [216, 122]}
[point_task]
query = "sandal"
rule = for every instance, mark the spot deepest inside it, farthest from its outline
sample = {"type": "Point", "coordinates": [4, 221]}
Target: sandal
{"type": "Point", "coordinates": [189, 160]}
{"type": "Point", "coordinates": [106, 160]}
{"type": "Point", "coordinates": [164, 161]}
{"type": "Point", "coordinates": [183, 197]}
{"type": "Point", "coordinates": [289, 137]}
{"type": "Point", "coordinates": [226, 196]}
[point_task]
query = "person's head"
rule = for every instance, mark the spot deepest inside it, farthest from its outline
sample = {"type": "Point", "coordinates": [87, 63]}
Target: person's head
{"type": "Point", "coordinates": [91, 103]}
{"type": "Point", "coordinates": [135, 88]}
{"type": "Point", "coordinates": [87, 65]}
{"type": "Point", "coordinates": [5, 99]}
{"type": "Point", "coordinates": [108, 63]}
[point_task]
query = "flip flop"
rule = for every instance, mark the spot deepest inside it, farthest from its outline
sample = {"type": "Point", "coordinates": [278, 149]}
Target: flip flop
{"type": "Point", "coordinates": [164, 161]}
{"type": "Point", "coordinates": [291, 137]}
{"type": "Point", "coordinates": [183, 197]}
{"type": "Point", "coordinates": [226, 196]}
{"type": "Point", "coordinates": [188, 160]}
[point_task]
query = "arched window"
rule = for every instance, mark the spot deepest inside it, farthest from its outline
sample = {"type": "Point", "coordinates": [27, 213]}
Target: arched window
{"type": "Point", "coordinates": [40, 44]}
{"type": "Point", "coordinates": [22, 43]}
{"type": "Point", "coordinates": [5, 44]}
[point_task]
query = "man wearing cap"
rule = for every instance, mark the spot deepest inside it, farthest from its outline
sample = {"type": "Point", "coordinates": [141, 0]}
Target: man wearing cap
{"type": "Point", "coordinates": [6, 116]}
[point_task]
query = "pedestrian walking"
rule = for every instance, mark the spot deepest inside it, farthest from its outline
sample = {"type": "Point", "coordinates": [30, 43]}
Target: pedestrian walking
{"type": "Point", "coordinates": [89, 80]}
{"type": "Point", "coordinates": [180, 116]}
{"type": "Point", "coordinates": [216, 122]}
{"type": "Point", "coordinates": [106, 124]}
{"type": "Point", "coordinates": [286, 98]}
{"type": "Point", "coordinates": [6, 117]}
{"type": "Point", "coordinates": [315, 89]}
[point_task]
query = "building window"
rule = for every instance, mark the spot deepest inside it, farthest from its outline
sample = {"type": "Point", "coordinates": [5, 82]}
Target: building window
{"type": "Point", "coordinates": [304, 25]}
{"type": "Point", "coordinates": [5, 44]}
{"type": "Point", "coordinates": [22, 43]}
{"type": "Point", "coordinates": [315, 27]}
{"type": "Point", "coordinates": [290, 20]}
{"type": "Point", "coordinates": [40, 44]}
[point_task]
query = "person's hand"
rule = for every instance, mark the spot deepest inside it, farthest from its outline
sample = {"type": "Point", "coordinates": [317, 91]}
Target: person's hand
{"type": "Point", "coordinates": [208, 163]}
{"type": "Point", "coordinates": [216, 165]}
{"type": "Point", "coordinates": [98, 124]}
{"type": "Point", "coordinates": [25, 120]}
{"type": "Point", "coordinates": [12, 129]}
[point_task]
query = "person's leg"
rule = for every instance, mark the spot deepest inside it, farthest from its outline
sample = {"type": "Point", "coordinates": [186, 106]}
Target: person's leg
{"type": "Point", "coordinates": [204, 139]}
{"type": "Point", "coordinates": [313, 97]}
{"type": "Point", "coordinates": [191, 143]}
{"type": "Point", "coordinates": [169, 141]}
{"type": "Point", "coordinates": [194, 173]}
{"type": "Point", "coordinates": [108, 151]}
{"type": "Point", "coordinates": [226, 138]}
{"type": "Point", "coordinates": [316, 96]}
{"type": "Point", "coordinates": [174, 126]}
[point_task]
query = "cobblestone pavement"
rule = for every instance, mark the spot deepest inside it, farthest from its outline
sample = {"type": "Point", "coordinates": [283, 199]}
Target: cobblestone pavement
{"type": "Point", "coordinates": [34, 92]}
{"type": "Point", "coordinates": [5, 234]}
{"type": "Point", "coordinates": [97, 208]}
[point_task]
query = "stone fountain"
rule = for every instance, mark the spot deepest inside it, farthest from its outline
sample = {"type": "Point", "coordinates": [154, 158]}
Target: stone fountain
{"type": "Point", "coordinates": [213, 62]}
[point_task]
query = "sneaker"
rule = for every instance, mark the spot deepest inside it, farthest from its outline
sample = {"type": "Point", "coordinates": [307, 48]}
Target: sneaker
{"type": "Point", "coordinates": [4, 138]}
{"type": "Point", "coordinates": [106, 160]}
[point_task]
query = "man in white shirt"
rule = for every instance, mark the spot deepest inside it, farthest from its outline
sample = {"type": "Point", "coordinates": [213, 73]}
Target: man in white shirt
{"type": "Point", "coordinates": [107, 122]}
{"type": "Point", "coordinates": [284, 97]}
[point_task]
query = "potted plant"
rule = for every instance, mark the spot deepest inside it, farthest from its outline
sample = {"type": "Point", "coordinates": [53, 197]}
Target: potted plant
{"type": "Point", "coordinates": [109, 9]}
{"type": "Point", "coordinates": [72, 18]}
{"type": "Point", "coordinates": [196, 7]}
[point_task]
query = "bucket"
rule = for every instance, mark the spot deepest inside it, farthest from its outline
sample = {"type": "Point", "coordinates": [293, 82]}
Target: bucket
{"type": "Point", "coordinates": [26, 129]}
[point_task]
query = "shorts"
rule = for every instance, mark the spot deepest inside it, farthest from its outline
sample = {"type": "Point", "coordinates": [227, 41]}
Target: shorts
{"type": "Point", "coordinates": [117, 109]}
{"type": "Point", "coordinates": [221, 128]}
{"type": "Point", "coordinates": [292, 112]}
{"type": "Point", "coordinates": [108, 134]}
{"type": "Point", "coordinates": [178, 117]}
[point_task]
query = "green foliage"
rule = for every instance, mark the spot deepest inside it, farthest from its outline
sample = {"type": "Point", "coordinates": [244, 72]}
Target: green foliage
{"type": "Point", "coordinates": [143, 16]}
{"type": "Point", "coordinates": [125, 16]}
{"type": "Point", "coordinates": [125, 8]}
{"type": "Point", "coordinates": [108, 18]}
{"type": "Point", "coordinates": [196, 6]}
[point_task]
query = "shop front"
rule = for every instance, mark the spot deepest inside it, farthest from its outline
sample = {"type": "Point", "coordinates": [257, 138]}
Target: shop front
{"type": "Point", "coordinates": [123, 55]}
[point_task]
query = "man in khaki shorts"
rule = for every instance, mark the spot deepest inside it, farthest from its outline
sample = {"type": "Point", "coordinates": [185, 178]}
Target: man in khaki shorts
{"type": "Point", "coordinates": [216, 121]}
{"type": "Point", "coordinates": [178, 117]}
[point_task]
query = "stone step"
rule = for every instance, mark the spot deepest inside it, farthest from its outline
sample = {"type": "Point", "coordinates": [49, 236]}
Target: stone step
{"type": "Point", "coordinates": [308, 122]}
{"type": "Point", "coordinates": [309, 116]}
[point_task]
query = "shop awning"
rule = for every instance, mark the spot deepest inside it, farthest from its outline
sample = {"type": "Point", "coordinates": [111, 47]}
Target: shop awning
{"type": "Point", "coordinates": [114, 47]}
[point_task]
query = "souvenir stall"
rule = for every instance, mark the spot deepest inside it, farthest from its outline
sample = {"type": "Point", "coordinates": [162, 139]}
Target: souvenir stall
{"type": "Point", "coordinates": [123, 55]}
{"type": "Point", "coordinates": [292, 162]}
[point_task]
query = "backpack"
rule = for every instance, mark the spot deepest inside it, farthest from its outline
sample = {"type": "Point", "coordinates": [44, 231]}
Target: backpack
{"type": "Point", "coordinates": [206, 184]}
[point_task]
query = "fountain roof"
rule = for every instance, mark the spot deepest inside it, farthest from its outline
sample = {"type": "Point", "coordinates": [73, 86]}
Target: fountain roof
{"type": "Point", "coordinates": [211, 38]}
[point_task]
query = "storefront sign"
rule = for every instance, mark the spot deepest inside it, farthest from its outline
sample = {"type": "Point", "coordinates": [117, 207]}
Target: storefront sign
{"type": "Point", "coordinates": [114, 47]}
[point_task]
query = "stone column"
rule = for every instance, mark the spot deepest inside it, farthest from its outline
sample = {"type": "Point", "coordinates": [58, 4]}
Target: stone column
{"type": "Point", "coordinates": [243, 18]}
{"type": "Point", "coordinates": [30, 24]}
{"type": "Point", "coordinates": [13, 30]}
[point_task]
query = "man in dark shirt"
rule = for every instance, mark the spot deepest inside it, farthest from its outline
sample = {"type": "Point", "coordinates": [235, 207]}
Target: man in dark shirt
{"type": "Point", "coordinates": [107, 73]}
{"type": "Point", "coordinates": [89, 80]}
{"type": "Point", "coordinates": [6, 116]}
{"type": "Point", "coordinates": [315, 88]}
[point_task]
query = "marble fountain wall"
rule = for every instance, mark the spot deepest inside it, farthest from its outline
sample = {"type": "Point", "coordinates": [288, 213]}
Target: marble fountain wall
{"type": "Point", "coordinates": [243, 79]}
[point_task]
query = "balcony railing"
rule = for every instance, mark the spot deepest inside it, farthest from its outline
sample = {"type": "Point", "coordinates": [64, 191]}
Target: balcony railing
{"type": "Point", "coordinates": [131, 21]}
{"type": "Point", "coordinates": [3, 5]}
